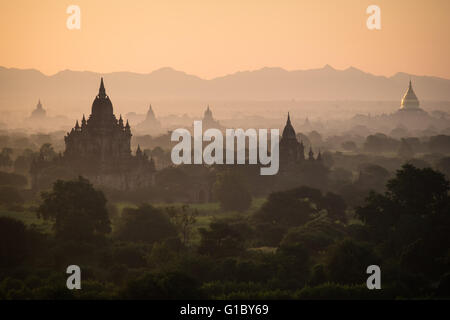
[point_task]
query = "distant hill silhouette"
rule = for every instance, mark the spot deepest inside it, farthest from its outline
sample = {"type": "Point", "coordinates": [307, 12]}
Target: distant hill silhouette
{"type": "Point", "coordinates": [20, 89]}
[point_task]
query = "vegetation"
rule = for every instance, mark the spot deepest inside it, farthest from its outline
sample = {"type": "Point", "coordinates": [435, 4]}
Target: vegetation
{"type": "Point", "coordinates": [300, 243]}
{"type": "Point", "coordinates": [231, 191]}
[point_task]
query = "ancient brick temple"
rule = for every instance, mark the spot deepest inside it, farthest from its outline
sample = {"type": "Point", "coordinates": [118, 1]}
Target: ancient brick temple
{"type": "Point", "coordinates": [291, 150]}
{"type": "Point", "coordinates": [99, 149]}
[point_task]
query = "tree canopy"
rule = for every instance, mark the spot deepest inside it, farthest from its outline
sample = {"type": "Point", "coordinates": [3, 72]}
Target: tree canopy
{"type": "Point", "coordinates": [78, 209]}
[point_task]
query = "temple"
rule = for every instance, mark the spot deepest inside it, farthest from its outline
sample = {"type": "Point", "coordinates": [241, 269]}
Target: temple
{"type": "Point", "coordinates": [292, 151]}
{"type": "Point", "coordinates": [99, 149]}
{"type": "Point", "coordinates": [151, 124]}
{"type": "Point", "coordinates": [410, 103]}
{"type": "Point", "coordinates": [208, 120]}
{"type": "Point", "coordinates": [39, 112]}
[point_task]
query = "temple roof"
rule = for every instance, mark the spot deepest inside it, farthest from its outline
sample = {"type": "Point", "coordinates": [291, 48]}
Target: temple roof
{"type": "Point", "coordinates": [102, 105]}
{"type": "Point", "coordinates": [150, 113]}
{"type": "Point", "coordinates": [208, 113]}
{"type": "Point", "coordinates": [288, 131]}
{"type": "Point", "coordinates": [410, 100]}
{"type": "Point", "coordinates": [39, 112]}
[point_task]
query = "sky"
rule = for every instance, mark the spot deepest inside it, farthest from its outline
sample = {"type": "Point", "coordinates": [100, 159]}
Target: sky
{"type": "Point", "coordinates": [215, 38]}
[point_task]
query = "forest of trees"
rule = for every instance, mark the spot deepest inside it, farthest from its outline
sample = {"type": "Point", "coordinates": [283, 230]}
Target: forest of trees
{"type": "Point", "coordinates": [301, 243]}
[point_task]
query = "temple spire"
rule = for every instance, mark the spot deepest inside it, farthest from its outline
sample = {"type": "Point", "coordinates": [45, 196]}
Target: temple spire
{"type": "Point", "coordinates": [409, 100]}
{"type": "Point", "coordinates": [101, 91]}
{"type": "Point", "coordinates": [319, 156]}
{"type": "Point", "coordinates": [310, 154]}
{"type": "Point", "coordinates": [139, 151]}
{"type": "Point", "coordinates": [288, 131]}
{"type": "Point", "coordinates": [150, 113]}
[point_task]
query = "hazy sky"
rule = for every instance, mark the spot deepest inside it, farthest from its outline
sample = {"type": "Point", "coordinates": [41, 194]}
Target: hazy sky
{"type": "Point", "coordinates": [213, 38]}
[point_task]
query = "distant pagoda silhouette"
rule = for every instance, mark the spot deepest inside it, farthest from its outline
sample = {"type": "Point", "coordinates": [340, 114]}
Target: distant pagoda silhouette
{"type": "Point", "coordinates": [151, 124]}
{"type": "Point", "coordinates": [39, 112]}
{"type": "Point", "coordinates": [292, 151]}
{"type": "Point", "coordinates": [208, 120]}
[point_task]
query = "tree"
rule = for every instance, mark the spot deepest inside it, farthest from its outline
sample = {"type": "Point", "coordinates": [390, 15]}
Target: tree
{"type": "Point", "coordinates": [419, 191]}
{"type": "Point", "coordinates": [348, 261]}
{"type": "Point", "coordinates": [349, 146]}
{"type": "Point", "coordinates": [5, 157]}
{"type": "Point", "coordinates": [23, 162]}
{"type": "Point", "coordinates": [170, 285]}
{"type": "Point", "coordinates": [297, 206]}
{"type": "Point", "coordinates": [13, 180]}
{"type": "Point", "coordinates": [399, 132]}
{"type": "Point", "coordinates": [46, 152]}
{"type": "Point", "coordinates": [17, 242]}
{"type": "Point", "coordinates": [232, 192]}
{"type": "Point", "coordinates": [316, 234]}
{"type": "Point", "coordinates": [415, 207]}
{"type": "Point", "coordinates": [51, 172]}
{"type": "Point", "coordinates": [172, 181]}
{"type": "Point", "coordinates": [221, 240]}
{"type": "Point", "coordinates": [439, 144]}
{"type": "Point", "coordinates": [340, 176]}
{"type": "Point", "coordinates": [413, 191]}
{"type": "Point", "coordinates": [293, 262]}
{"type": "Point", "coordinates": [335, 206]}
{"type": "Point", "coordinates": [380, 143]}
{"type": "Point", "coordinates": [79, 210]}
{"type": "Point", "coordinates": [443, 165]}
{"type": "Point", "coordinates": [290, 208]}
{"type": "Point", "coordinates": [372, 177]}
{"type": "Point", "coordinates": [314, 174]}
{"type": "Point", "coordinates": [405, 151]}
{"type": "Point", "coordinates": [9, 196]}
{"type": "Point", "coordinates": [145, 223]}
{"type": "Point", "coordinates": [184, 219]}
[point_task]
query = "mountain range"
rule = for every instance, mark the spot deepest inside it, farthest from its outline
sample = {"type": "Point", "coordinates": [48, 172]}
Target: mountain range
{"type": "Point", "coordinates": [20, 89]}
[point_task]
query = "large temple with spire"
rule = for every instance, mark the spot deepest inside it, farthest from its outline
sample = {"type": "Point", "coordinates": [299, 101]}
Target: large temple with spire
{"type": "Point", "coordinates": [292, 151]}
{"type": "Point", "coordinates": [99, 149]}
{"type": "Point", "coordinates": [410, 103]}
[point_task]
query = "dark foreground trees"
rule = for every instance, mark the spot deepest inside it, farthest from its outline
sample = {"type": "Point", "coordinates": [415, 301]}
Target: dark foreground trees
{"type": "Point", "coordinates": [146, 224]}
{"type": "Point", "coordinates": [232, 192]}
{"type": "Point", "coordinates": [298, 246]}
{"type": "Point", "coordinates": [79, 210]}
{"type": "Point", "coordinates": [410, 222]}
{"type": "Point", "coordinates": [17, 242]}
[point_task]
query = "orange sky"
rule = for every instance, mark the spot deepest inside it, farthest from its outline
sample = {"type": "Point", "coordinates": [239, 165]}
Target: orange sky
{"type": "Point", "coordinates": [217, 37]}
